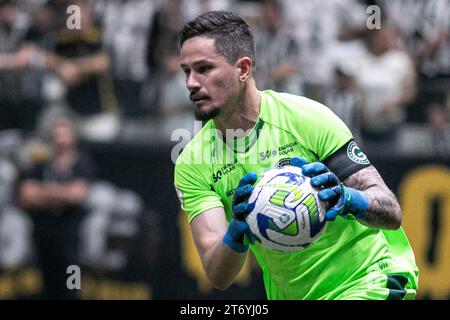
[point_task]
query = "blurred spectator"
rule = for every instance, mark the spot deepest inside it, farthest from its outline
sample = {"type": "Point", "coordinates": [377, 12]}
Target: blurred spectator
{"type": "Point", "coordinates": [277, 63]}
{"type": "Point", "coordinates": [126, 26]}
{"type": "Point", "coordinates": [345, 98]}
{"type": "Point", "coordinates": [386, 76]}
{"type": "Point", "coordinates": [163, 53]}
{"type": "Point", "coordinates": [20, 95]}
{"type": "Point", "coordinates": [79, 60]}
{"type": "Point", "coordinates": [53, 193]}
{"type": "Point", "coordinates": [318, 27]}
{"type": "Point", "coordinates": [424, 26]}
{"type": "Point", "coordinates": [425, 29]}
{"type": "Point", "coordinates": [44, 24]}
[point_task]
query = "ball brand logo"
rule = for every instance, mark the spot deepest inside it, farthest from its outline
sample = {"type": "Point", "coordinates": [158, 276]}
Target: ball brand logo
{"type": "Point", "coordinates": [355, 154]}
{"type": "Point", "coordinates": [284, 218]}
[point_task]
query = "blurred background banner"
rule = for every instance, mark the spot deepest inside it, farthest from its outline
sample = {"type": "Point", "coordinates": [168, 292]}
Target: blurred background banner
{"type": "Point", "coordinates": [96, 190]}
{"type": "Point", "coordinates": [127, 256]}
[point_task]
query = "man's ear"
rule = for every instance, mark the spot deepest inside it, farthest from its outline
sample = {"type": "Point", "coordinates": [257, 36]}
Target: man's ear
{"type": "Point", "coordinates": [245, 65]}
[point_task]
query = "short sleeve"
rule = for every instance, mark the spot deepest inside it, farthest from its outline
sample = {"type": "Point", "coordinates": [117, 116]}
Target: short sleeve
{"type": "Point", "coordinates": [318, 127]}
{"type": "Point", "coordinates": [196, 195]}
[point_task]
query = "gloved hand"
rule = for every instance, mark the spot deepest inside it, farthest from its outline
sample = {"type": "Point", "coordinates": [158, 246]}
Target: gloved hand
{"type": "Point", "coordinates": [238, 227]}
{"type": "Point", "coordinates": [344, 200]}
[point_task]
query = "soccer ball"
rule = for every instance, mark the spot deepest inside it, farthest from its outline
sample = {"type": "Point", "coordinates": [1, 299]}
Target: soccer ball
{"type": "Point", "coordinates": [285, 211]}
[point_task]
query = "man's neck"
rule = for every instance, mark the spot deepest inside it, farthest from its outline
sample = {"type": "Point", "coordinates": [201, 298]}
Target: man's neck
{"type": "Point", "coordinates": [244, 113]}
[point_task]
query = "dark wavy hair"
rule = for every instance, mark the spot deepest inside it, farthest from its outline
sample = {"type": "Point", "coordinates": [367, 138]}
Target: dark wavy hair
{"type": "Point", "coordinates": [232, 35]}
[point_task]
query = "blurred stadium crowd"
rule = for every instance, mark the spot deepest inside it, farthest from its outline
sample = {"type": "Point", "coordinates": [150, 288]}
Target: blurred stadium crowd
{"type": "Point", "coordinates": [118, 78]}
{"type": "Point", "coordinates": [120, 70]}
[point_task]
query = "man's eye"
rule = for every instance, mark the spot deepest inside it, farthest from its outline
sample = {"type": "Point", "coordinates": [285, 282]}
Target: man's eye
{"type": "Point", "coordinates": [204, 69]}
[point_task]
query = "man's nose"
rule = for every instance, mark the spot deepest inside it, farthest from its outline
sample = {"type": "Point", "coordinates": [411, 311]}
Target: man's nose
{"type": "Point", "coordinates": [192, 83]}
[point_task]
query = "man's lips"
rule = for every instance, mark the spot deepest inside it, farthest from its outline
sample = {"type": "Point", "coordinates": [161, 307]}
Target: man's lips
{"type": "Point", "coordinates": [199, 100]}
{"type": "Point", "coordinates": [196, 98]}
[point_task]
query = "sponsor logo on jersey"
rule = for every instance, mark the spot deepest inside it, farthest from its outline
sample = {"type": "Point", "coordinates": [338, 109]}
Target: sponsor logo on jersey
{"type": "Point", "coordinates": [219, 174]}
{"type": "Point", "coordinates": [280, 151]}
{"type": "Point", "coordinates": [355, 154]}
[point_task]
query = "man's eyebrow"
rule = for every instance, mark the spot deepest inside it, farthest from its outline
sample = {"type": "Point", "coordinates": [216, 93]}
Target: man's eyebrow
{"type": "Point", "coordinates": [197, 63]}
{"type": "Point", "coordinates": [202, 62]}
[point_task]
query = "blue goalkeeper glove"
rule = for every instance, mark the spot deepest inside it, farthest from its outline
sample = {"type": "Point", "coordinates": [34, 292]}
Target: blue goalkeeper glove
{"type": "Point", "coordinates": [238, 227]}
{"type": "Point", "coordinates": [344, 200]}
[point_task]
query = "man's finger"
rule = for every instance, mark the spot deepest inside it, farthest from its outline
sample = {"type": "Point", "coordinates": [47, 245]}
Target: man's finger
{"type": "Point", "coordinates": [325, 180]}
{"type": "Point", "coordinates": [242, 194]}
{"type": "Point", "coordinates": [331, 214]}
{"type": "Point", "coordinates": [314, 169]}
{"type": "Point", "coordinates": [243, 191]}
{"type": "Point", "coordinates": [298, 162]}
{"type": "Point", "coordinates": [249, 178]}
{"type": "Point", "coordinates": [240, 210]}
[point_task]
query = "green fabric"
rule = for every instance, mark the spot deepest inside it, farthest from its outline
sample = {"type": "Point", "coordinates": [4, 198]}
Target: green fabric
{"type": "Point", "coordinates": [292, 126]}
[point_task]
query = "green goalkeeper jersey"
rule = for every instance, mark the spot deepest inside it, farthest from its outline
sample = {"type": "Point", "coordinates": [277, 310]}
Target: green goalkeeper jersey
{"type": "Point", "coordinates": [346, 254]}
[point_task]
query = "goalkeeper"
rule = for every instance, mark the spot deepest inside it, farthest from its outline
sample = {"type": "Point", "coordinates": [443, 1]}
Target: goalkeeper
{"type": "Point", "coordinates": [363, 254]}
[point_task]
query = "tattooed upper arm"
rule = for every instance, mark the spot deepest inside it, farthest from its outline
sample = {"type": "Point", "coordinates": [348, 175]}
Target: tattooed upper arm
{"type": "Point", "coordinates": [384, 210]}
{"type": "Point", "coordinates": [365, 179]}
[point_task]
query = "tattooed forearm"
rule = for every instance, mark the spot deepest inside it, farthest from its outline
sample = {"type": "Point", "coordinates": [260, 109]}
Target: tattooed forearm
{"type": "Point", "coordinates": [384, 210]}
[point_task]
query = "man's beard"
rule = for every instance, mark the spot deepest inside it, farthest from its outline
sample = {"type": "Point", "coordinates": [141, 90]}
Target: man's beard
{"type": "Point", "coordinates": [205, 116]}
